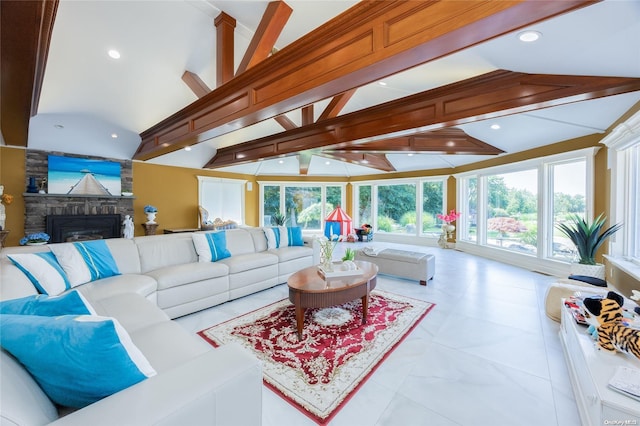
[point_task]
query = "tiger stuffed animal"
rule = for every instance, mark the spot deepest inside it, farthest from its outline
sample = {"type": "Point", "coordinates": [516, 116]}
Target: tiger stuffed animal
{"type": "Point", "coordinates": [606, 316]}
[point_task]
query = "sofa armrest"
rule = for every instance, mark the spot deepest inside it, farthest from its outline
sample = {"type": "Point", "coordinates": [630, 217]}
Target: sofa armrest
{"type": "Point", "coordinates": [222, 386]}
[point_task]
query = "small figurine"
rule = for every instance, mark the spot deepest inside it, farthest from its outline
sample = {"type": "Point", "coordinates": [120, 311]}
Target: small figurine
{"type": "Point", "coordinates": [128, 227]}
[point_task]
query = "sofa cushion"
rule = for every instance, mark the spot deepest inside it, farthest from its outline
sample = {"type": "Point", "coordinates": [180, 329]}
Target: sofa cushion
{"type": "Point", "coordinates": [259, 239]}
{"type": "Point", "coordinates": [294, 236]}
{"type": "Point", "coordinates": [132, 311]}
{"type": "Point", "coordinates": [210, 246]}
{"type": "Point", "coordinates": [22, 400]}
{"type": "Point", "coordinates": [245, 262]}
{"type": "Point", "coordinates": [85, 261]}
{"type": "Point", "coordinates": [286, 254]}
{"type": "Point", "coordinates": [76, 359]}
{"type": "Point", "coordinates": [167, 345]}
{"type": "Point", "coordinates": [119, 284]}
{"type": "Point", "coordinates": [43, 270]}
{"type": "Point", "coordinates": [239, 241]}
{"type": "Point", "coordinates": [276, 236]}
{"type": "Point", "coordinates": [173, 276]}
{"type": "Point", "coordinates": [159, 251]}
{"type": "Point", "coordinates": [72, 303]}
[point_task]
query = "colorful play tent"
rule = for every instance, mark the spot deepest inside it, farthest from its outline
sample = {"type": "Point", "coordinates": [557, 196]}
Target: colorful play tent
{"type": "Point", "coordinates": [337, 223]}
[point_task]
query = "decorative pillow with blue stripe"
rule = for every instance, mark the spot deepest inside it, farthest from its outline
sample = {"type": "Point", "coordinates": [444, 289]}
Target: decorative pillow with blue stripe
{"type": "Point", "coordinates": [43, 270]}
{"type": "Point", "coordinates": [72, 303]}
{"type": "Point", "coordinates": [85, 261]}
{"type": "Point", "coordinates": [281, 236]}
{"type": "Point", "coordinates": [76, 359]}
{"type": "Point", "coordinates": [211, 246]}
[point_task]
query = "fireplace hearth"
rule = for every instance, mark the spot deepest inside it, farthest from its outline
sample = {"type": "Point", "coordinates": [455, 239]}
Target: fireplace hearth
{"type": "Point", "coordinates": [65, 228]}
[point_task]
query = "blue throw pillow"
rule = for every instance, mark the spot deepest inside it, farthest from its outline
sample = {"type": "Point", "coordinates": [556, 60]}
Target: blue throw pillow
{"type": "Point", "coordinates": [295, 236]}
{"type": "Point", "coordinates": [211, 246]}
{"type": "Point", "coordinates": [43, 270]}
{"type": "Point", "coordinates": [72, 303]}
{"type": "Point", "coordinates": [76, 360]}
{"type": "Point", "coordinates": [85, 261]}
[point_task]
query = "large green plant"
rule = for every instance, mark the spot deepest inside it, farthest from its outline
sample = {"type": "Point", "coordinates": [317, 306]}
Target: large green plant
{"type": "Point", "coordinates": [278, 218]}
{"type": "Point", "coordinates": [587, 237]}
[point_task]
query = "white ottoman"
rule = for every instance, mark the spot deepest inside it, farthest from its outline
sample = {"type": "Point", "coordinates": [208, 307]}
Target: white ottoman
{"type": "Point", "coordinates": [406, 264]}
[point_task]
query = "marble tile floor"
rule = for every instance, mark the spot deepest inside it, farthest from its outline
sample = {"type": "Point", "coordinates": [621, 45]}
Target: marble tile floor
{"type": "Point", "coordinates": [485, 355]}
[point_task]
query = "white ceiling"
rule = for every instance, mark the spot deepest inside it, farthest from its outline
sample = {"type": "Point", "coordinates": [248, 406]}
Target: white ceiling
{"type": "Point", "coordinates": [93, 96]}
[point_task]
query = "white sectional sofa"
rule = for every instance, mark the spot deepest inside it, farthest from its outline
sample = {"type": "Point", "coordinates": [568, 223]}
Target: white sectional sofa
{"type": "Point", "coordinates": [161, 279]}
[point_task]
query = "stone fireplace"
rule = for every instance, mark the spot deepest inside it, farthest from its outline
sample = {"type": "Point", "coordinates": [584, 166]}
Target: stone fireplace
{"type": "Point", "coordinates": [66, 228]}
{"type": "Point", "coordinates": [40, 207]}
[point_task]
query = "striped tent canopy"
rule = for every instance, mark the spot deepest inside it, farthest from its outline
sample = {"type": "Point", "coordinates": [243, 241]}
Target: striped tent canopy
{"type": "Point", "coordinates": [338, 223]}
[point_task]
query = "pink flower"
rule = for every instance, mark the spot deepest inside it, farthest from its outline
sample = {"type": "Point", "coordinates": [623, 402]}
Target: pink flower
{"type": "Point", "coordinates": [448, 218]}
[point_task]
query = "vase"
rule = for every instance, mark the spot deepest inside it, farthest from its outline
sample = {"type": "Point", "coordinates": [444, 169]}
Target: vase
{"type": "Point", "coordinates": [326, 256]}
{"type": "Point", "coordinates": [36, 243]}
{"type": "Point", "coordinates": [32, 188]}
{"type": "Point", "coordinates": [151, 217]}
{"type": "Point", "coordinates": [597, 270]}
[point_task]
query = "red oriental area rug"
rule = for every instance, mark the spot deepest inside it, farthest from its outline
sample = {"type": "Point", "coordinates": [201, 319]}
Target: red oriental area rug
{"type": "Point", "coordinates": [337, 354]}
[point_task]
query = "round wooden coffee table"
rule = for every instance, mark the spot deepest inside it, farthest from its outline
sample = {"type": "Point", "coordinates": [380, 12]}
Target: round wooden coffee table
{"type": "Point", "coordinates": [308, 288]}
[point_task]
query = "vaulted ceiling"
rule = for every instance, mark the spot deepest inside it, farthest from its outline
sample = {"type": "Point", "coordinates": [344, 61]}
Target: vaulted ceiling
{"type": "Point", "coordinates": [296, 88]}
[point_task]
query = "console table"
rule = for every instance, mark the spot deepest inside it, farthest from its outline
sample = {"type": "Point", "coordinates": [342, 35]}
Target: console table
{"type": "Point", "coordinates": [590, 370]}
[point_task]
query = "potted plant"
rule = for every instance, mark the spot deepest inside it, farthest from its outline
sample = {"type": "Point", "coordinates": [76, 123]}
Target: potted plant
{"type": "Point", "coordinates": [39, 238]}
{"type": "Point", "coordinates": [278, 219]}
{"type": "Point", "coordinates": [587, 237]}
{"type": "Point", "coordinates": [151, 212]}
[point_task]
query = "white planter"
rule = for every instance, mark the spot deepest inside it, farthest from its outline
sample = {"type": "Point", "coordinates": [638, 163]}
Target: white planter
{"type": "Point", "coordinates": [596, 270]}
{"type": "Point", "coordinates": [151, 217]}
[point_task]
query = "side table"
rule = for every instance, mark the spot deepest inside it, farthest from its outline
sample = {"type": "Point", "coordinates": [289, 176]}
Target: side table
{"type": "Point", "coordinates": [150, 228]}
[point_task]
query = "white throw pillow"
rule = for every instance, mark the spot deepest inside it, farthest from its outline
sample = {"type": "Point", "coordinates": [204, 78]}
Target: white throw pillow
{"type": "Point", "coordinates": [43, 270]}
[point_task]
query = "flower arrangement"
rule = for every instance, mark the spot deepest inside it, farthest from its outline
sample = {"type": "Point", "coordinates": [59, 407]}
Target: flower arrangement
{"type": "Point", "coordinates": [150, 209]}
{"type": "Point", "coordinates": [37, 238]}
{"type": "Point", "coordinates": [451, 217]}
{"type": "Point", "coordinates": [327, 245]}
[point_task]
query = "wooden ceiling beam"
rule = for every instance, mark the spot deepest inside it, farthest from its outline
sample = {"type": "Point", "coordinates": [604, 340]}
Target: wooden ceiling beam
{"type": "Point", "coordinates": [285, 122]}
{"type": "Point", "coordinates": [371, 160]}
{"type": "Point", "coordinates": [271, 25]}
{"type": "Point", "coordinates": [336, 105]}
{"type": "Point", "coordinates": [225, 27]}
{"type": "Point", "coordinates": [195, 83]}
{"type": "Point", "coordinates": [495, 94]}
{"type": "Point", "coordinates": [25, 37]}
{"type": "Point", "coordinates": [441, 141]}
{"type": "Point", "coordinates": [390, 37]}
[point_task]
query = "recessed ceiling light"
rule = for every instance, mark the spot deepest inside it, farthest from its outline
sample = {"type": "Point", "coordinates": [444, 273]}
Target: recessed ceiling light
{"type": "Point", "coordinates": [280, 161]}
{"type": "Point", "coordinates": [58, 126]}
{"type": "Point", "coordinates": [529, 36]}
{"type": "Point", "coordinates": [451, 143]}
{"type": "Point", "coordinates": [327, 162]}
{"type": "Point", "coordinates": [410, 154]}
{"type": "Point", "coordinates": [495, 126]}
{"type": "Point", "coordinates": [187, 148]}
{"type": "Point", "coordinates": [113, 53]}
{"type": "Point", "coordinates": [114, 135]}
{"type": "Point", "coordinates": [382, 83]}
{"type": "Point", "coordinates": [365, 162]}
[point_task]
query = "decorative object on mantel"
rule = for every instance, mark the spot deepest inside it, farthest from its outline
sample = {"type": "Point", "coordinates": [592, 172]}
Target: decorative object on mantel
{"type": "Point", "coordinates": [587, 237]}
{"type": "Point", "coordinates": [127, 227]}
{"type": "Point", "coordinates": [37, 239]}
{"type": "Point", "coordinates": [151, 212]}
{"type": "Point", "coordinates": [43, 182]}
{"type": "Point", "coordinates": [447, 227]}
{"type": "Point", "coordinates": [150, 228]}
{"type": "Point", "coordinates": [4, 199]}
{"type": "Point", "coordinates": [32, 188]}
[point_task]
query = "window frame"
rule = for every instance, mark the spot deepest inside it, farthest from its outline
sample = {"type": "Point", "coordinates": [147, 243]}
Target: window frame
{"type": "Point", "coordinates": [418, 182]}
{"type": "Point", "coordinates": [203, 180]}
{"type": "Point", "coordinates": [323, 195]}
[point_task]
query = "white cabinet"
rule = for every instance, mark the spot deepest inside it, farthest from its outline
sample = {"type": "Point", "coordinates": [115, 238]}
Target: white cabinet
{"type": "Point", "coordinates": [590, 370]}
